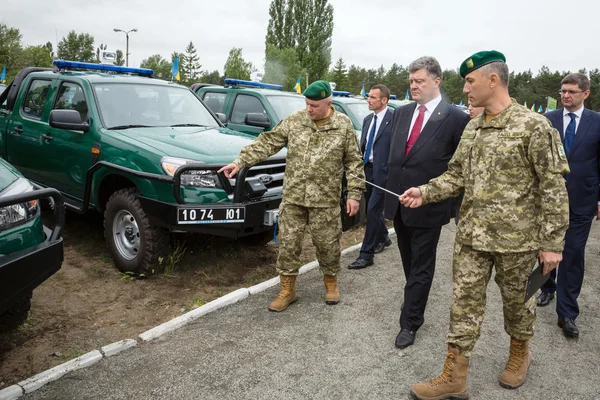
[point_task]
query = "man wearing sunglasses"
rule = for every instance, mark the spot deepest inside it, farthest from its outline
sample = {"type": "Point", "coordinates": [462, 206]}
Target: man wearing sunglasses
{"type": "Point", "coordinates": [580, 133]}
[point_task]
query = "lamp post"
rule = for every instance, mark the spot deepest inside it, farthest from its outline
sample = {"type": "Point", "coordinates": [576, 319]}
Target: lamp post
{"type": "Point", "coordinates": [126, 43]}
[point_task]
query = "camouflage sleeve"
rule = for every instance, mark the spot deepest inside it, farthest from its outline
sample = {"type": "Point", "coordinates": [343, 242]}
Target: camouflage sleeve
{"type": "Point", "coordinates": [550, 163]}
{"type": "Point", "coordinates": [353, 163]}
{"type": "Point", "coordinates": [450, 183]}
{"type": "Point", "coordinates": [267, 144]}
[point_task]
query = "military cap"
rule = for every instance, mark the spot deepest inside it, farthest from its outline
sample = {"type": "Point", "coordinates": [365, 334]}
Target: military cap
{"type": "Point", "coordinates": [318, 90]}
{"type": "Point", "coordinates": [480, 59]}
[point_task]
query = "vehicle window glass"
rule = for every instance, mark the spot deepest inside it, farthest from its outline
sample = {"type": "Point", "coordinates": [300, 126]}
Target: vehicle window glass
{"type": "Point", "coordinates": [339, 108]}
{"type": "Point", "coordinates": [360, 111]}
{"type": "Point", "coordinates": [36, 98]}
{"type": "Point", "coordinates": [285, 105]}
{"type": "Point", "coordinates": [243, 105]}
{"type": "Point", "coordinates": [71, 97]}
{"type": "Point", "coordinates": [215, 101]}
{"type": "Point", "coordinates": [129, 104]}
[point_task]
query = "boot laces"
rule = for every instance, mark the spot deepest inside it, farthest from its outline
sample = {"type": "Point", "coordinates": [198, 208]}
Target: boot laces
{"type": "Point", "coordinates": [446, 375]}
{"type": "Point", "coordinates": [286, 289]}
{"type": "Point", "coordinates": [517, 354]}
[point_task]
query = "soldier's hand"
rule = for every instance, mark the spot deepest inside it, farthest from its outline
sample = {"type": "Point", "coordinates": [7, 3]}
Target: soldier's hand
{"type": "Point", "coordinates": [352, 207]}
{"type": "Point", "coordinates": [229, 170]}
{"type": "Point", "coordinates": [550, 260]}
{"type": "Point", "coordinates": [412, 198]}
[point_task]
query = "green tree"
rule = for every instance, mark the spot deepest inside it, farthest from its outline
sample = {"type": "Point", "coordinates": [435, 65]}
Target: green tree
{"type": "Point", "coordinates": [76, 47]}
{"type": "Point", "coordinates": [339, 75]}
{"type": "Point", "coordinates": [593, 101]}
{"type": "Point", "coordinates": [161, 67]}
{"type": "Point", "coordinates": [452, 87]}
{"type": "Point", "coordinates": [212, 77]}
{"type": "Point", "coordinates": [10, 50]}
{"type": "Point", "coordinates": [120, 58]}
{"type": "Point", "coordinates": [396, 79]}
{"type": "Point", "coordinates": [282, 67]}
{"type": "Point", "coordinates": [356, 77]}
{"type": "Point", "coordinates": [236, 67]}
{"type": "Point", "coordinates": [36, 56]}
{"type": "Point", "coordinates": [191, 64]}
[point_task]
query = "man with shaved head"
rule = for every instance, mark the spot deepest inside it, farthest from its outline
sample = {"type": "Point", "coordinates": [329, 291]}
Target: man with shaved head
{"type": "Point", "coordinates": [321, 143]}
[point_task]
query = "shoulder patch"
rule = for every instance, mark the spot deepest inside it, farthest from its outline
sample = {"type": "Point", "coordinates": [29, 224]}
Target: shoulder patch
{"type": "Point", "coordinates": [561, 152]}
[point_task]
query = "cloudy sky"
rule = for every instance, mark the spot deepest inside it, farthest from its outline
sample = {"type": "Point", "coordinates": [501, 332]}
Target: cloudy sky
{"type": "Point", "coordinates": [368, 33]}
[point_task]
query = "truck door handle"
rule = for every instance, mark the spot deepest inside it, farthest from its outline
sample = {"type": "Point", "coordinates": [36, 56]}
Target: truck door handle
{"type": "Point", "coordinates": [47, 137]}
{"type": "Point", "coordinates": [18, 130]}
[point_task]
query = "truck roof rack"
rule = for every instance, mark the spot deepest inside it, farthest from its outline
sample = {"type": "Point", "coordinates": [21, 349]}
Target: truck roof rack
{"type": "Point", "coordinates": [65, 65]}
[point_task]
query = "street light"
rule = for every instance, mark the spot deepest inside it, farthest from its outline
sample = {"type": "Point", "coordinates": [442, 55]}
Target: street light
{"type": "Point", "coordinates": [127, 43]}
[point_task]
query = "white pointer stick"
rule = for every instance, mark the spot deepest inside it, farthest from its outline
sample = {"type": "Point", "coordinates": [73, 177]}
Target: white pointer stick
{"type": "Point", "coordinates": [372, 184]}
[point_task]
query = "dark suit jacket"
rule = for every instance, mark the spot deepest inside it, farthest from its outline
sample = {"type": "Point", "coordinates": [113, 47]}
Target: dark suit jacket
{"type": "Point", "coordinates": [584, 161]}
{"type": "Point", "coordinates": [381, 146]}
{"type": "Point", "coordinates": [427, 159]}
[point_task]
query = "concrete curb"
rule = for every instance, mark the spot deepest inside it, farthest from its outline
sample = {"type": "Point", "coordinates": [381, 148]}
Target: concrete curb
{"type": "Point", "coordinates": [39, 380]}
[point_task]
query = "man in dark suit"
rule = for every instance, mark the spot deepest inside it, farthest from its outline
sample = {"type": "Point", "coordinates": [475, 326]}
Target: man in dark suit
{"type": "Point", "coordinates": [375, 146]}
{"type": "Point", "coordinates": [423, 139]}
{"type": "Point", "coordinates": [580, 132]}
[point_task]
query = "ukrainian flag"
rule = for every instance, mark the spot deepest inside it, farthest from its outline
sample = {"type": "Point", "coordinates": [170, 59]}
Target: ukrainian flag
{"type": "Point", "coordinates": [540, 110]}
{"type": "Point", "coordinates": [175, 69]}
{"type": "Point", "coordinates": [533, 107]}
{"type": "Point", "coordinates": [297, 87]}
{"type": "Point", "coordinates": [362, 91]}
{"type": "Point", "coordinates": [3, 75]}
{"type": "Point", "coordinates": [406, 97]}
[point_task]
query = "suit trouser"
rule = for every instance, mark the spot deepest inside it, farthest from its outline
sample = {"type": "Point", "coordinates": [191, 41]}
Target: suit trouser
{"type": "Point", "coordinates": [471, 272]}
{"type": "Point", "coordinates": [418, 248]}
{"type": "Point", "coordinates": [571, 269]}
{"type": "Point", "coordinates": [375, 231]}
{"type": "Point", "coordinates": [325, 227]}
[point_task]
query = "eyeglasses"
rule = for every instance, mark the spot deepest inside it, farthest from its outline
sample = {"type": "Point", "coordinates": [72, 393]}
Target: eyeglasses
{"type": "Point", "coordinates": [571, 92]}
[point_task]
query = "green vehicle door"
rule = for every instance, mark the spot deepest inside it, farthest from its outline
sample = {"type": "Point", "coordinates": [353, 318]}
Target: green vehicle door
{"type": "Point", "coordinates": [244, 104]}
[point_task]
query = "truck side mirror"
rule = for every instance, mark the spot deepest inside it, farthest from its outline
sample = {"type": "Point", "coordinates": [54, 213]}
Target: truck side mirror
{"type": "Point", "coordinates": [257, 119]}
{"type": "Point", "coordinates": [67, 119]}
{"type": "Point", "coordinates": [222, 118]}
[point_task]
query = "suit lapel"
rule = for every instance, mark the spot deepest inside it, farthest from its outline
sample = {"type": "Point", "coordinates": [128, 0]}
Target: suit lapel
{"type": "Point", "coordinates": [387, 118]}
{"type": "Point", "coordinates": [431, 127]}
{"type": "Point", "coordinates": [582, 130]}
{"type": "Point", "coordinates": [365, 132]}
{"type": "Point", "coordinates": [558, 123]}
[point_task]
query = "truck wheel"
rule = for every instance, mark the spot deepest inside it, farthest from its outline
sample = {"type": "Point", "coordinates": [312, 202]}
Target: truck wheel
{"type": "Point", "coordinates": [134, 244]}
{"type": "Point", "coordinates": [16, 315]}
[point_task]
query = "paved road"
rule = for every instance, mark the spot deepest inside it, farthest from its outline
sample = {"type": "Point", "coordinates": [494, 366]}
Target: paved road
{"type": "Point", "coordinates": [315, 351]}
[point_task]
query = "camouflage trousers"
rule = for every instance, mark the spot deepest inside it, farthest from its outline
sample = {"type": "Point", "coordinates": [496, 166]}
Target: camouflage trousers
{"type": "Point", "coordinates": [325, 228]}
{"type": "Point", "coordinates": [471, 272]}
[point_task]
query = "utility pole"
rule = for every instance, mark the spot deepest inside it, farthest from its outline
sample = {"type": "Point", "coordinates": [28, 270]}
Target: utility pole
{"type": "Point", "coordinates": [126, 43]}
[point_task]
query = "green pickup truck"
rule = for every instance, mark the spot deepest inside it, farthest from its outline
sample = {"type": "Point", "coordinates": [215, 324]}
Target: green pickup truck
{"type": "Point", "coordinates": [29, 252]}
{"type": "Point", "coordinates": [142, 151]}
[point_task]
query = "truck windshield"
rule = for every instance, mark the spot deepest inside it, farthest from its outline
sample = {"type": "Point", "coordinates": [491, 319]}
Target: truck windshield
{"type": "Point", "coordinates": [123, 105]}
{"type": "Point", "coordinates": [285, 105]}
{"type": "Point", "coordinates": [359, 110]}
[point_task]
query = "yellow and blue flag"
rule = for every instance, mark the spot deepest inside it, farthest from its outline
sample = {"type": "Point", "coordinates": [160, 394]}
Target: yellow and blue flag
{"type": "Point", "coordinates": [525, 104]}
{"type": "Point", "coordinates": [297, 87]}
{"type": "Point", "coordinates": [406, 97]}
{"type": "Point", "coordinates": [3, 75]}
{"type": "Point", "coordinates": [175, 69]}
{"type": "Point", "coordinates": [362, 91]}
{"type": "Point", "coordinates": [540, 110]}
{"type": "Point", "coordinates": [533, 107]}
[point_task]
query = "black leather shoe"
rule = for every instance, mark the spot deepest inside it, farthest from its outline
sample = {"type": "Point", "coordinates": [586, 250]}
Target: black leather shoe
{"type": "Point", "coordinates": [381, 246]}
{"type": "Point", "coordinates": [544, 299]}
{"type": "Point", "coordinates": [568, 326]}
{"type": "Point", "coordinates": [360, 263]}
{"type": "Point", "coordinates": [405, 338]}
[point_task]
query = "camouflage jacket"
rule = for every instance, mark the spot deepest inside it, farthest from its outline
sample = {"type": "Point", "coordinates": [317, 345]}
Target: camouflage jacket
{"type": "Point", "coordinates": [512, 171]}
{"type": "Point", "coordinates": [315, 159]}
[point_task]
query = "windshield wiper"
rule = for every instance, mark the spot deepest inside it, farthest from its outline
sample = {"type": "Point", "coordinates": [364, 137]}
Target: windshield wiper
{"type": "Point", "coordinates": [112, 128]}
{"type": "Point", "coordinates": [177, 125]}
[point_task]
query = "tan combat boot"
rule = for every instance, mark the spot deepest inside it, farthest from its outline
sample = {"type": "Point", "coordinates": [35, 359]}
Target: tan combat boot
{"type": "Point", "coordinates": [515, 372]}
{"type": "Point", "coordinates": [452, 383]}
{"type": "Point", "coordinates": [332, 291]}
{"type": "Point", "coordinates": [287, 294]}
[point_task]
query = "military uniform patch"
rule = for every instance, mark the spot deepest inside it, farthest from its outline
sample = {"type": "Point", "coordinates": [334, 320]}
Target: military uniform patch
{"type": "Point", "coordinates": [561, 153]}
{"type": "Point", "coordinates": [470, 63]}
{"type": "Point", "coordinates": [322, 93]}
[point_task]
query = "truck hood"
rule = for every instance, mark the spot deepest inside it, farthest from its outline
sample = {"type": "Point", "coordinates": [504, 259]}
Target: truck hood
{"type": "Point", "coordinates": [7, 175]}
{"type": "Point", "coordinates": [209, 145]}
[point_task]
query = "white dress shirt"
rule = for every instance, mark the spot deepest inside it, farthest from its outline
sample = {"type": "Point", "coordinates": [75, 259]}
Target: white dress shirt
{"type": "Point", "coordinates": [567, 119]}
{"type": "Point", "coordinates": [380, 116]}
{"type": "Point", "coordinates": [430, 107]}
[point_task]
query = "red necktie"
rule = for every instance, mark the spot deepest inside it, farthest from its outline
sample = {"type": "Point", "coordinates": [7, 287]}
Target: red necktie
{"type": "Point", "coordinates": [416, 129]}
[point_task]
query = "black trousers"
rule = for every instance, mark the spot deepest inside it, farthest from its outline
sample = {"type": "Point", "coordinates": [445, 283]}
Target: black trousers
{"type": "Point", "coordinates": [375, 231]}
{"type": "Point", "coordinates": [418, 248]}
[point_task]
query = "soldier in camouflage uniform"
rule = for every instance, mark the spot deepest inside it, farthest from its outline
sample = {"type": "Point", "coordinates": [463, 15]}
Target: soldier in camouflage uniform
{"type": "Point", "coordinates": [510, 163]}
{"type": "Point", "coordinates": [321, 143]}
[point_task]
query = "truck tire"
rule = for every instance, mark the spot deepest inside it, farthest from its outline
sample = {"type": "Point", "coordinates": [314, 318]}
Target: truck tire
{"type": "Point", "coordinates": [16, 315]}
{"type": "Point", "coordinates": [134, 244]}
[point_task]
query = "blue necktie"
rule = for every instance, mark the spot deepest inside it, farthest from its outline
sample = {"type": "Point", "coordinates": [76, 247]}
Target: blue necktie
{"type": "Point", "coordinates": [570, 133]}
{"type": "Point", "coordinates": [370, 140]}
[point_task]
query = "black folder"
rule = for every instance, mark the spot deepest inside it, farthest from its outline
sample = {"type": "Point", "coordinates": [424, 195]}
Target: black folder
{"type": "Point", "coordinates": [535, 281]}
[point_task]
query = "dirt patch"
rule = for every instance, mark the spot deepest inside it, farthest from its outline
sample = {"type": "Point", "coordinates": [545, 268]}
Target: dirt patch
{"type": "Point", "coordinates": [88, 303]}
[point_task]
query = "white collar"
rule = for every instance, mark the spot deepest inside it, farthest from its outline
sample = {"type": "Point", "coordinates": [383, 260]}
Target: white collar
{"type": "Point", "coordinates": [432, 104]}
{"type": "Point", "coordinates": [577, 112]}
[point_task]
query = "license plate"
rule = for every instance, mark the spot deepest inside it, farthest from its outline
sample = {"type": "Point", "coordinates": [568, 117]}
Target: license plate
{"type": "Point", "coordinates": [227, 215]}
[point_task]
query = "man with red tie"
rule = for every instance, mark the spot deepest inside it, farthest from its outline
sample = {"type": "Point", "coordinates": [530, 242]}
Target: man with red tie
{"type": "Point", "coordinates": [424, 136]}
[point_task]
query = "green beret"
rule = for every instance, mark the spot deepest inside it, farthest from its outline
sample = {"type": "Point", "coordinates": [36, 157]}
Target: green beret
{"type": "Point", "coordinates": [318, 90]}
{"type": "Point", "coordinates": [480, 59]}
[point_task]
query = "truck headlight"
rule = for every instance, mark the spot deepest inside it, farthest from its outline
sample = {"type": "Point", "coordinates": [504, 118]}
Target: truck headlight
{"type": "Point", "coordinates": [19, 213]}
{"type": "Point", "coordinates": [196, 178]}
